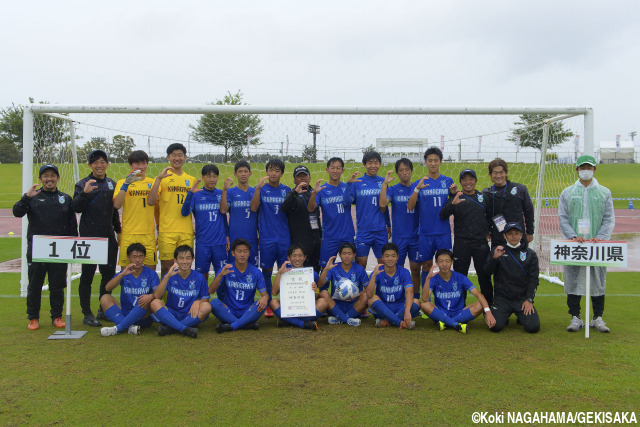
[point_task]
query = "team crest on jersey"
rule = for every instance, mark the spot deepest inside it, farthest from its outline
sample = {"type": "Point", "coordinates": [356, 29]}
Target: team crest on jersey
{"type": "Point", "coordinates": [218, 197]}
{"type": "Point", "coordinates": [353, 277]}
{"type": "Point", "coordinates": [61, 199]}
{"type": "Point", "coordinates": [396, 281]}
{"type": "Point", "coordinates": [523, 256]}
{"type": "Point", "coordinates": [110, 185]}
{"type": "Point", "coordinates": [480, 198]}
{"type": "Point", "coordinates": [149, 185]}
{"type": "Point", "coordinates": [444, 184]}
{"type": "Point", "coordinates": [186, 182]}
{"type": "Point", "coordinates": [514, 190]}
{"type": "Point", "coordinates": [455, 286]}
{"type": "Point", "coordinates": [249, 278]}
{"type": "Point", "coordinates": [143, 281]}
{"type": "Point", "coordinates": [284, 193]}
{"type": "Point", "coordinates": [379, 184]}
{"type": "Point", "coordinates": [192, 284]}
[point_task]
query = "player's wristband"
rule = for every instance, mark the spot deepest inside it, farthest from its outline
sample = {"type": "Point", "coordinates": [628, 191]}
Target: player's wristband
{"type": "Point", "coordinates": [486, 309]}
{"type": "Point", "coordinates": [124, 187]}
{"type": "Point", "coordinates": [416, 190]}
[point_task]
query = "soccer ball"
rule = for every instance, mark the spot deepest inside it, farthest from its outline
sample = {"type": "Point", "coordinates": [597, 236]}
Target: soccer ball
{"type": "Point", "coordinates": [346, 290]}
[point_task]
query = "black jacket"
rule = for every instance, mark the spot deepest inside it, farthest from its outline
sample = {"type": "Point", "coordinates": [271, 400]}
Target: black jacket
{"type": "Point", "coordinates": [99, 218]}
{"type": "Point", "coordinates": [514, 277]}
{"type": "Point", "coordinates": [514, 203]}
{"type": "Point", "coordinates": [295, 206]}
{"type": "Point", "coordinates": [49, 213]}
{"type": "Point", "coordinates": [469, 217]}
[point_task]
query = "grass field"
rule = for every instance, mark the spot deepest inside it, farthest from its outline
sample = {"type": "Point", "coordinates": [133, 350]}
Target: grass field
{"type": "Point", "coordinates": [615, 177]}
{"type": "Point", "coordinates": [9, 248]}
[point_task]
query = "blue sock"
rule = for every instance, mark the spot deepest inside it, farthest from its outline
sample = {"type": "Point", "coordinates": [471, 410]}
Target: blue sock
{"type": "Point", "coordinates": [464, 316]}
{"type": "Point", "coordinates": [267, 282]}
{"type": "Point", "coordinates": [382, 310]}
{"type": "Point", "coordinates": [440, 316]}
{"type": "Point", "coordinates": [192, 321]}
{"type": "Point", "coordinates": [337, 312]}
{"type": "Point", "coordinates": [168, 319]}
{"type": "Point", "coordinates": [352, 313]}
{"type": "Point", "coordinates": [222, 312]}
{"type": "Point", "coordinates": [415, 310]}
{"type": "Point", "coordinates": [134, 315]}
{"type": "Point", "coordinates": [318, 315]}
{"type": "Point", "coordinates": [251, 315]}
{"type": "Point", "coordinates": [423, 278]}
{"type": "Point", "coordinates": [293, 320]}
{"type": "Point", "coordinates": [114, 313]}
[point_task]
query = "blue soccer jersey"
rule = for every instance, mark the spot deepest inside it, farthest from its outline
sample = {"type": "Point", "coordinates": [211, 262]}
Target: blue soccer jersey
{"type": "Point", "coordinates": [337, 224]}
{"type": "Point", "coordinates": [205, 205]}
{"type": "Point", "coordinates": [133, 287]}
{"type": "Point", "coordinates": [404, 222]}
{"type": "Point", "coordinates": [272, 222]}
{"type": "Point", "coordinates": [182, 293]}
{"type": "Point", "coordinates": [431, 199]}
{"type": "Point", "coordinates": [366, 195]}
{"type": "Point", "coordinates": [391, 289]}
{"type": "Point", "coordinates": [448, 295]}
{"type": "Point", "coordinates": [240, 288]}
{"type": "Point", "coordinates": [356, 274]}
{"type": "Point", "coordinates": [242, 222]}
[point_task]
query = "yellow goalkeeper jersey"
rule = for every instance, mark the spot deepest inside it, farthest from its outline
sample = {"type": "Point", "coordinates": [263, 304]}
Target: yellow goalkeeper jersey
{"type": "Point", "coordinates": [171, 194]}
{"type": "Point", "coordinates": [137, 214]}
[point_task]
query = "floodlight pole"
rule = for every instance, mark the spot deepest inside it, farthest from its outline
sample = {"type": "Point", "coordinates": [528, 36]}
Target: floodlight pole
{"type": "Point", "coordinates": [315, 130]}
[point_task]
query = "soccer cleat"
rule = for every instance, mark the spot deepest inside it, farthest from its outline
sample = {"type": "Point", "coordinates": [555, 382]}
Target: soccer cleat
{"type": "Point", "coordinates": [90, 320]}
{"type": "Point", "coordinates": [576, 324]}
{"type": "Point", "coordinates": [282, 323]}
{"type": "Point", "coordinates": [333, 320]}
{"type": "Point", "coordinates": [310, 324]}
{"type": "Point", "coordinates": [268, 313]}
{"type": "Point", "coordinates": [108, 331]}
{"type": "Point", "coordinates": [442, 326]}
{"type": "Point", "coordinates": [423, 315]}
{"type": "Point", "coordinates": [190, 332]}
{"type": "Point", "coordinates": [353, 322]}
{"type": "Point", "coordinates": [134, 330]}
{"type": "Point", "coordinates": [34, 324]}
{"type": "Point", "coordinates": [462, 328]}
{"type": "Point", "coordinates": [165, 330]}
{"type": "Point", "coordinates": [411, 325]}
{"type": "Point", "coordinates": [223, 327]}
{"type": "Point", "coordinates": [599, 325]}
{"type": "Point", "coordinates": [100, 315]}
{"type": "Point", "coordinates": [381, 323]}
{"type": "Point", "coordinates": [252, 325]}
{"type": "Point", "coordinates": [58, 322]}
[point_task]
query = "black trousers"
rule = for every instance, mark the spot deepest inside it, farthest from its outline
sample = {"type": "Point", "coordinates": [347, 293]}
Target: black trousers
{"type": "Point", "coordinates": [311, 245]}
{"type": "Point", "coordinates": [463, 251]}
{"type": "Point", "coordinates": [597, 303]}
{"type": "Point", "coordinates": [88, 272]}
{"type": "Point", "coordinates": [502, 309]}
{"type": "Point", "coordinates": [37, 272]}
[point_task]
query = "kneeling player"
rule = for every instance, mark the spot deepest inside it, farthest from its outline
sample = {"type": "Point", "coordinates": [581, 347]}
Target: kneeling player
{"type": "Point", "coordinates": [393, 301]}
{"type": "Point", "coordinates": [334, 274]}
{"type": "Point", "coordinates": [297, 257]}
{"type": "Point", "coordinates": [449, 289]}
{"type": "Point", "coordinates": [136, 293]}
{"type": "Point", "coordinates": [237, 309]}
{"type": "Point", "coordinates": [187, 296]}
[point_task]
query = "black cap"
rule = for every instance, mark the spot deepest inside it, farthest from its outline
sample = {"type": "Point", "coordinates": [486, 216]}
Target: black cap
{"type": "Point", "coordinates": [301, 169]}
{"type": "Point", "coordinates": [511, 225]}
{"type": "Point", "coordinates": [95, 155]}
{"type": "Point", "coordinates": [468, 171]}
{"type": "Point", "coordinates": [45, 167]}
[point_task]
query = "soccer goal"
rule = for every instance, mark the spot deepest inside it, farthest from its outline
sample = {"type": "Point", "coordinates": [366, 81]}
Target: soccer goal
{"type": "Point", "coordinates": [540, 144]}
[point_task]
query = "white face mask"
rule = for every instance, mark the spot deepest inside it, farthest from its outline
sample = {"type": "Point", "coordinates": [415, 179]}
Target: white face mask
{"type": "Point", "coordinates": [585, 175]}
{"type": "Point", "coordinates": [513, 246]}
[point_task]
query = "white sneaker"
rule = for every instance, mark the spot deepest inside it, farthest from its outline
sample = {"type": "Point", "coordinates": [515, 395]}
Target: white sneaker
{"type": "Point", "coordinates": [108, 331]}
{"type": "Point", "coordinates": [134, 330]}
{"type": "Point", "coordinates": [599, 325]}
{"type": "Point", "coordinates": [575, 325]}
{"type": "Point", "coordinates": [353, 322]}
{"type": "Point", "coordinates": [411, 325]}
{"type": "Point", "coordinates": [333, 320]}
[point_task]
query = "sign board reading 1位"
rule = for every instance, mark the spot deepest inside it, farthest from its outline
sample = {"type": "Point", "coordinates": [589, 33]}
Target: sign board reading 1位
{"type": "Point", "coordinates": [297, 298]}
{"type": "Point", "coordinates": [605, 253]}
{"type": "Point", "coordinates": [70, 250]}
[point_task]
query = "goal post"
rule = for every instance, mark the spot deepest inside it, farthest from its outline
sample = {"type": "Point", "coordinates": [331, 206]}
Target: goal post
{"type": "Point", "coordinates": [470, 135]}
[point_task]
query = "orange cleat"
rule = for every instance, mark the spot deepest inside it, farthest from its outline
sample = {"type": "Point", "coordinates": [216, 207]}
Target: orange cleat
{"type": "Point", "coordinates": [268, 313]}
{"type": "Point", "coordinates": [58, 322]}
{"type": "Point", "coordinates": [34, 324]}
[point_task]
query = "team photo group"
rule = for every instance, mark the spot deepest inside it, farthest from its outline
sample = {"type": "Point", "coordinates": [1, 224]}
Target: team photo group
{"type": "Point", "coordinates": [246, 234]}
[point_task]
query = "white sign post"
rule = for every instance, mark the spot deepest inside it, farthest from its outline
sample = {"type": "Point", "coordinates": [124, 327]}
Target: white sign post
{"type": "Point", "coordinates": [605, 253]}
{"type": "Point", "coordinates": [70, 250]}
{"type": "Point", "coordinates": [297, 298]}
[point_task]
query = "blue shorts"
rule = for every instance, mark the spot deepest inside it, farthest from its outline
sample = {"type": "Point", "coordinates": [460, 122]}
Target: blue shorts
{"type": "Point", "coordinates": [450, 313]}
{"type": "Point", "coordinates": [253, 255]}
{"type": "Point", "coordinates": [428, 245]}
{"type": "Point", "coordinates": [207, 255]}
{"type": "Point", "coordinates": [407, 246]}
{"type": "Point", "coordinates": [270, 252]}
{"type": "Point", "coordinates": [367, 240]}
{"type": "Point", "coordinates": [396, 307]}
{"type": "Point", "coordinates": [145, 322]}
{"type": "Point", "coordinates": [345, 306]}
{"type": "Point", "coordinates": [329, 248]}
{"type": "Point", "coordinates": [179, 315]}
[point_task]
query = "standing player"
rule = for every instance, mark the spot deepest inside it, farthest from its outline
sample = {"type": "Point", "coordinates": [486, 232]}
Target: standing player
{"type": "Point", "coordinates": [136, 293]}
{"type": "Point", "coordinates": [431, 195]}
{"type": "Point", "coordinates": [449, 288]}
{"type": "Point", "coordinates": [138, 219]}
{"type": "Point", "coordinates": [170, 190]}
{"type": "Point", "coordinates": [243, 223]}
{"type": "Point", "coordinates": [93, 198]}
{"type": "Point", "coordinates": [272, 222]}
{"type": "Point", "coordinates": [337, 223]}
{"type": "Point", "coordinates": [373, 226]}
{"type": "Point", "coordinates": [393, 301]}
{"type": "Point", "coordinates": [238, 310]}
{"type": "Point", "coordinates": [469, 209]}
{"type": "Point", "coordinates": [297, 258]}
{"type": "Point", "coordinates": [211, 237]}
{"type": "Point", "coordinates": [187, 297]}
{"type": "Point", "coordinates": [404, 221]}
{"type": "Point", "coordinates": [332, 277]}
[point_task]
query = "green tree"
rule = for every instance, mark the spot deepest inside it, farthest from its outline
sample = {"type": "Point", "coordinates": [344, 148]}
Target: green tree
{"type": "Point", "coordinates": [529, 128]}
{"type": "Point", "coordinates": [309, 153]}
{"type": "Point", "coordinates": [120, 148]}
{"type": "Point", "coordinates": [230, 131]}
